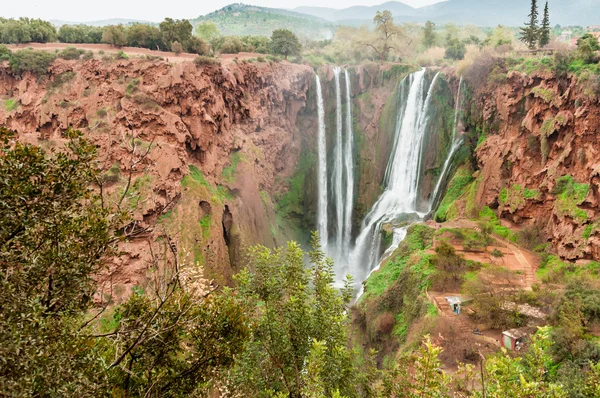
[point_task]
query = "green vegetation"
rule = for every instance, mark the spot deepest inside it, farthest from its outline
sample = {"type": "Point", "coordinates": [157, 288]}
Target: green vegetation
{"type": "Point", "coordinates": [247, 20]}
{"type": "Point", "coordinates": [284, 42]}
{"type": "Point", "coordinates": [456, 188]}
{"type": "Point", "coordinates": [26, 30]}
{"type": "Point", "coordinates": [546, 94]}
{"type": "Point", "coordinates": [554, 270]}
{"type": "Point", "coordinates": [291, 203]}
{"type": "Point", "coordinates": [205, 223]}
{"type": "Point", "coordinates": [418, 239]}
{"type": "Point", "coordinates": [10, 105]}
{"type": "Point", "coordinates": [36, 62]}
{"type": "Point", "coordinates": [71, 53]}
{"type": "Point", "coordinates": [534, 35]}
{"type": "Point", "coordinates": [569, 195]}
{"type": "Point", "coordinates": [515, 196]}
{"type": "Point", "coordinates": [195, 178]}
{"type": "Point", "coordinates": [229, 172]}
{"type": "Point", "coordinates": [488, 216]}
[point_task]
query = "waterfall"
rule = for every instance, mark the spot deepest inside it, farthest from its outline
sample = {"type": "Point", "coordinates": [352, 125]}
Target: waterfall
{"type": "Point", "coordinates": [402, 178]}
{"type": "Point", "coordinates": [337, 175]}
{"type": "Point", "coordinates": [322, 168]}
{"type": "Point", "coordinates": [456, 144]}
{"type": "Point", "coordinates": [348, 167]}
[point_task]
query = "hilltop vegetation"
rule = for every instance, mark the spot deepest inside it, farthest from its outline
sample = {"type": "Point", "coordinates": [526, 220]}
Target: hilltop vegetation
{"type": "Point", "coordinates": [246, 20]}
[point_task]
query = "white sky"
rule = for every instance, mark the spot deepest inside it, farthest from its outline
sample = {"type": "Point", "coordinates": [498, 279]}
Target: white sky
{"type": "Point", "coordinates": [154, 10]}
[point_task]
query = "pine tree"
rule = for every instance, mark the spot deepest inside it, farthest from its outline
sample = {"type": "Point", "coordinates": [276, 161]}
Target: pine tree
{"type": "Point", "coordinates": [544, 36]}
{"type": "Point", "coordinates": [529, 33]}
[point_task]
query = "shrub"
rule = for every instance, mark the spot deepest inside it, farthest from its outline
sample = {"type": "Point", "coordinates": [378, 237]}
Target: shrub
{"type": "Point", "coordinates": [88, 55]}
{"type": "Point", "coordinates": [202, 60]}
{"type": "Point", "coordinates": [5, 53]}
{"type": "Point", "coordinates": [455, 50]}
{"type": "Point", "coordinates": [231, 45]}
{"type": "Point", "coordinates": [70, 53]}
{"type": "Point", "coordinates": [176, 47]}
{"type": "Point", "coordinates": [121, 55]}
{"type": "Point", "coordinates": [10, 105]}
{"type": "Point", "coordinates": [261, 59]}
{"type": "Point", "coordinates": [196, 45]}
{"type": "Point", "coordinates": [36, 62]}
{"type": "Point", "coordinates": [60, 80]}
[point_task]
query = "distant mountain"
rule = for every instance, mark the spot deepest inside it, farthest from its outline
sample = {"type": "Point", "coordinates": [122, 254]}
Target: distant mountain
{"type": "Point", "coordinates": [510, 12]}
{"type": "Point", "coordinates": [104, 22]}
{"type": "Point", "coordinates": [242, 19]}
{"type": "Point", "coordinates": [476, 12]}
{"type": "Point", "coordinates": [358, 12]}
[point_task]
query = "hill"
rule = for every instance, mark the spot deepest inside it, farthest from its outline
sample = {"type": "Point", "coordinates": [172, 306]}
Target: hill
{"type": "Point", "coordinates": [358, 12]}
{"type": "Point", "coordinates": [242, 19]}
{"type": "Point", "coordinates": [476, 12]}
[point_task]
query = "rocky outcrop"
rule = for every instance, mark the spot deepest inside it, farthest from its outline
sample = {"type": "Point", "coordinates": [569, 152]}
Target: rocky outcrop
{"type": "Point", "coordinates": [539, 163]}
{"type": "Point", "coordinates": [203, 149]}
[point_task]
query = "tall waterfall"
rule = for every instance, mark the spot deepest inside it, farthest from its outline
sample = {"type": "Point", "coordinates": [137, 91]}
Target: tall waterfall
{"type": "Point", "coordinates": [341, 179]}
{"type": "Point", "coordinates": [322, 167]}
{"type": "Point", "coordinates": [348, 167]}
{"type": "Point", "coordinates": [402, 178]}
{"type": "Point", "coordinates": [338, 169]}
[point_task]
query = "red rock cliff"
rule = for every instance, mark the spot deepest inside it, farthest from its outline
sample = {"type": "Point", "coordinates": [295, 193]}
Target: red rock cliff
{"type": "Point", "coordinates": [233, 127]}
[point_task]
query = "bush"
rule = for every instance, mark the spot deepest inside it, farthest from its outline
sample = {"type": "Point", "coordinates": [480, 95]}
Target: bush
{"type": "Point", "coordinates": [455, 50]}
{"type": "Point", "coordinates": [88, 55]}
{"type": "Point", "coordinates": [36, 62]}
{"type": "Point", "coordinates": [5, 53]}
{"type": "Point", "coordinates": [70, 53]}
{"type": "Point", "coordinates": [196, 45]}
{"type": "Point", "coordinates": [202, 60]}
{"type": "Point", "coordinates": [231, 45]}
{"type": "Point", "coordinates": [176, 47]}
{"type": "Point", "coordinates": [121, 55]}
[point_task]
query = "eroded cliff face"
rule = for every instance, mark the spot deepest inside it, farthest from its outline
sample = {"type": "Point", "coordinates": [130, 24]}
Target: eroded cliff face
{"type": "Point", "coordinates": [540, 163]}
{"type": "Point", "coordinates": [208, 148]}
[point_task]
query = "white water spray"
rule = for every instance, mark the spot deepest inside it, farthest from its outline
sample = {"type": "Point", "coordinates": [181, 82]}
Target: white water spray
{"type": "Point", "coordinates": [400, 195]}
{"type": "Point", "coordinates": [322, 168]}
{"type": "Point", "coordinates": [337, 175]}
{"type": "Point", "coordinates": [348, 167]}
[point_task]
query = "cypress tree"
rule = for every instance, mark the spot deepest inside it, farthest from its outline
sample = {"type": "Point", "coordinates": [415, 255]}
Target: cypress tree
{"type": "Point", "coordinates": [529, 33]}
{"type": "Point", "coordinates": [544, 38]}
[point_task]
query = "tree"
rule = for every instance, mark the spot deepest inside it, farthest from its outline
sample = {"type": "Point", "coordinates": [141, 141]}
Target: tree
{"type": "Point", "coordinates": [587, 46]}
{"type": "Point", "coordinates": [196, 45]}
{"type": "Point", "coordinates": [386, 31]}
{"type": "Point", "coordinates": [298, 317]}
{"type": "Point", "coordinates": [429, 35]}
{"type": "Point", "coordinates": [455, 49]}
{"type": "Point", "coordinates": [530, 32]}
{"type": "Point", "coordinates": [143, 35]}
{"type": "Point", "coordinates": [207, 30]}
{"type": "Point", "coordinates": [175, 30]}
{"type": "Point", "coordinates": [51, 246]}
{"type": "Point", "coordinates": [544, 35]}
{"type": "Point", "coordinates": [114, 35]}
{"type": "Point", "coordinates": [285, 42]}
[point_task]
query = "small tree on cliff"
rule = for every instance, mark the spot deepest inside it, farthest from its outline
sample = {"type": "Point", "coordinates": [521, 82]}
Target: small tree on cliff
{"type": "Point", "coordinates": [544, 38]}
{"type": "Point", "coordinates": [530, 32]}
{"type": "Point", "coordinates": [285, 42]}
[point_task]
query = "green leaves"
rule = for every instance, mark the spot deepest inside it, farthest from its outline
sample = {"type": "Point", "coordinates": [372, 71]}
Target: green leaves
{"type": "Point", "coordinates": [298, 319]}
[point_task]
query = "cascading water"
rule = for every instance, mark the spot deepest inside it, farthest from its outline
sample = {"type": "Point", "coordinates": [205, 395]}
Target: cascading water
{"type": "Point", "coordinates": [348, 167]}
{"type": "Point", "coordinates": [341, 179]}
{"type": "Point", "coordinates": [402, 178]}
{"type": "Point", "coordinates": [402, 175]}
{"type": "Point", "coordinates": [338, 169]}
{"type": "Point", "coordinates": [322, 167]}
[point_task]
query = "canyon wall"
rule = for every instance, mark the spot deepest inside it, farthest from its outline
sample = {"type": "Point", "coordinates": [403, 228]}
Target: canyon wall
{"type": "Point", "coordinates": [538, 157]}
{"type": "Point", "coordinates": [205, 150]}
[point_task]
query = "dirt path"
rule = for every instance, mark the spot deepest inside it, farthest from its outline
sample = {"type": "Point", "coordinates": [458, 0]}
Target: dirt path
{"type": "Point", "coordinates": [136, 51]}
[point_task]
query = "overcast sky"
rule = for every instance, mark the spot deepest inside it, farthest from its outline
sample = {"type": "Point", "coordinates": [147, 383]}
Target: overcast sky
{"type": "Point", "coordinates": [154, 10]}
